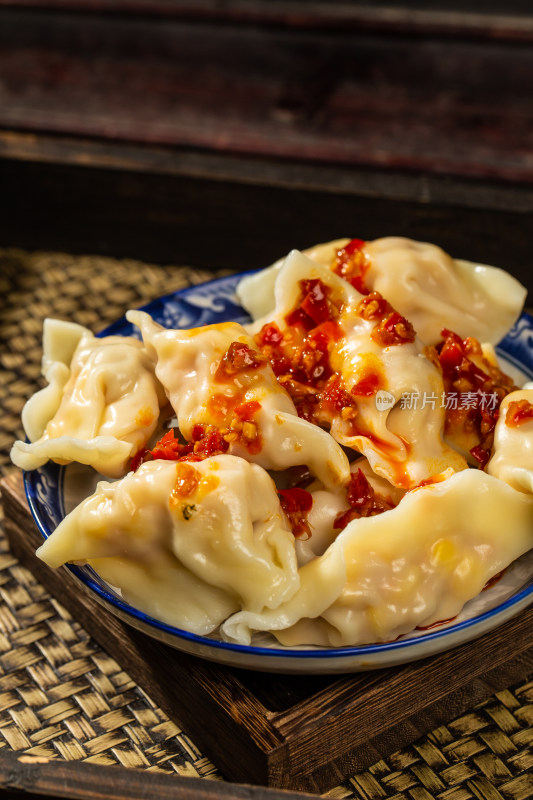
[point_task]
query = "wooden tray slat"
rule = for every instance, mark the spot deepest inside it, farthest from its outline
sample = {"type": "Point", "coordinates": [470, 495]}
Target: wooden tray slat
{"type": "Point", "coordinates": [305, 733]}
{"type": "Point", "coordinates": [31, 777]}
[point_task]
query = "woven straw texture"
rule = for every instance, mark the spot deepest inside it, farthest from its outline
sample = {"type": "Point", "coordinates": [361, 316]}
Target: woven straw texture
{"type": "Point", "coordinates": [62, 696]}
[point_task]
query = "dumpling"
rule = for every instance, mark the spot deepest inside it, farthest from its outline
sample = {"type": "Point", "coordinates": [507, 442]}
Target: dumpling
{"type": "Point", "coordinates": [101, 404]}
{"type": "Point", "coordinates": [512, 455]}
{"type": "Point", "coordinates": [215, 377]}
{"type": "Point", "coordinates": [475, 386]}
{"type": "Point", "coordinates": [428, 287]}
{"type": "Point", "coordinates": [413, 566]}
{"type": "Point", "coordinates": [365, 495]}
{"type": "Point", "coordinates": [186, 542]}
{"type": "Point", "coordinates": [352, 364]}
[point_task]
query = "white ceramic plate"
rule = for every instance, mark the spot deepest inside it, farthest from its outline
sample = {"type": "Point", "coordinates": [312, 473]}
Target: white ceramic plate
{"type": "Point", "coordinates": [50, 491]}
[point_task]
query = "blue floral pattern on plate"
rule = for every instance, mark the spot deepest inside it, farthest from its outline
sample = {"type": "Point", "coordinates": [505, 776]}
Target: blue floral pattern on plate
{"type": "Point", "coordinates": [216, 302]}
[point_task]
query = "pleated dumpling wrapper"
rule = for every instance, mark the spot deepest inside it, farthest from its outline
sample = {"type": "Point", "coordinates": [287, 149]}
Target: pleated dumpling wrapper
{"type": "Point", "coordinates": [186, 542]}
{"type": "Point", "coordinates": [101, 404]}
{"type": "Point", "coordinates": [353, 364]}
{"type": "Point", "coordinates": [216, 377]}
{"type": "Point", "coordinates": [512, 454]}
{"type": "Point", "coordinates": [426, 285]}
{"type": "Point", "coordinates": [415, 565]}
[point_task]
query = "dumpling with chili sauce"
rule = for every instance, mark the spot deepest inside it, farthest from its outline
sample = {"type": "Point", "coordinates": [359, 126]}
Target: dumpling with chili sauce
{"type": "Point", "coordinates": [365, 495]}
{"type": "Point", "coordinates": [512, 454]}
{"type": "Point", "coordinates": [415, 565]}
{"type": "Point", "coordinates": [186, 542]}
{"type": "Point", "coordinates": [474, 386]}
{"type": "Point", "coordinates": [101, 405]}
{"type": "Point", "coordinates": [354, 365]}
{"type": "Point", "coordinates": [226, 397]}
{"type": "Point", "coordinates": [425, 284]}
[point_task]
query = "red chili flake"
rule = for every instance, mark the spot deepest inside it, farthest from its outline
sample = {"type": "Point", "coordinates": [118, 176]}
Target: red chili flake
{"type": "Point", "coordinates": [352, 264]}
{"type": "Point", "coordinates": [481, 455]}
{"type": "Point", "coordinates": [315, 303]}
{"type": "Point", "coordinates": [373, 307]}
{"type": "Point", "coordinates": [207, 441]}
{"type": "Point", "coordinates": [474, 391]}
{"type": "Point", "coordinates": [210, 444]}
{"type": "Point", "coordinates": [280, 363]}
{"type": "Point", "coordinates": [297, 503]}
{"type": "Point", "coordinates": [354, 245]}
{"type": "Point", "coordinates": [304, 397]}
{"type": "Point", "coordinates": [450, 356]}
{"type": "Point", "coordinates": [392, 330]}
{"type": "Point", "coordinates": [454, 358]}
{"type": "Point", "coordinates": [325, 333]}
{"type": "Point", "coordinates": [139, 458]}
{"type": "Point", "coordinates": [269, 334]}
{"type": "Point", "coordinates": [300, 355]}
{"type": "Point", "coordinates": [363, 501]}
{"type": "Point", "coordinates": [238, 358]}
{"type": "Point", "coordinates": [335, 396]}
{"type": "Point", "coordinates": [169, 448]}
{"type": "Point", "coordinates": [299, 317]}
{"type": "Point", "coordinates": [518, 413]}
{"type": "Point", "coordinates": [198, 431]}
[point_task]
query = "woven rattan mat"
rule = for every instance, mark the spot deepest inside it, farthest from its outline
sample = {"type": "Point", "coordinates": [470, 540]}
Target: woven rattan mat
{"type": "Point", "coordinates": [62, 696]}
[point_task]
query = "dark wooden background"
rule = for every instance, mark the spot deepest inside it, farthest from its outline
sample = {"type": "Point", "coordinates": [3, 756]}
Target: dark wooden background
{"type": "Point", "coordinates": [224, 133]}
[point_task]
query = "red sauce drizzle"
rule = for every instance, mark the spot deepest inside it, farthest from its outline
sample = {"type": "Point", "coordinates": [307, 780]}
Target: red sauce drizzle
{"type": "Point", "coordinates": [518, 413]}
{"type": "Point", "coordinates": [434, 624]}
{"type": "Point", "coordinates": [246, 411]}
{"type": "Point", "coordinates": [297, 503]}
{"type": "Point", "coordinates": [364, 501]}
{"type": "Point", "coordinates": [352, 263]}
{"type": "Point", "coordinates": [493, 581]}
{"type": "Point", "coordinates": [484, 387]}
{"type": "Point", "coordinates": [368, 385]}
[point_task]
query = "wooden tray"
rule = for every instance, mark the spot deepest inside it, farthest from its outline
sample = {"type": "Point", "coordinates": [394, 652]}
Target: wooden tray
{"type": "Point", "coordinates": [305, 733]}
{"type": "Point", "coordinates": [26, 777]}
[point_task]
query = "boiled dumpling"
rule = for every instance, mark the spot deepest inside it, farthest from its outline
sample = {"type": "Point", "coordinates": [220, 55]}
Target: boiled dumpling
{"type": "Point", "coordinates": [101, 404]}
{"type": "Point", "coordinates": [415, 565]}
{"type": "Point", "coordinates": [512, 455]}
{"type": "Point", "coordinates": [187, 542]}
{"type": "Point", "coordinates": [428, 287]}
{"type": "Point", "coordinates": [215, 377]}
{"type": "Point", "coordinates": [354, 365]}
